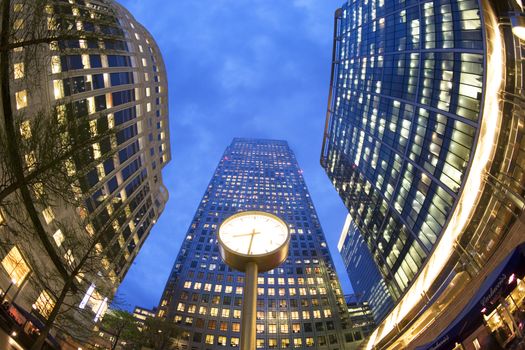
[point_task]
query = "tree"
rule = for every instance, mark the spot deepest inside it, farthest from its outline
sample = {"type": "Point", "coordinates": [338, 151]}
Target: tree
{"type": "Point", "coordinates": [123, 327]}
{"type": "Point", "coordinates": [161, 334]}
{"type": "Point", "coordinates": [45, 153]}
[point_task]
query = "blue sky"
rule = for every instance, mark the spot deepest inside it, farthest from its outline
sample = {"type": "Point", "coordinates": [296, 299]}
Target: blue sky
{"type": "Point", "coordinates": [247, 68]}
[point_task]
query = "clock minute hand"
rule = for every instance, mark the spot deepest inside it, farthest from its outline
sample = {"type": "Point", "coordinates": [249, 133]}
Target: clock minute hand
{"type": "Point", "coordinates": [247, 234]}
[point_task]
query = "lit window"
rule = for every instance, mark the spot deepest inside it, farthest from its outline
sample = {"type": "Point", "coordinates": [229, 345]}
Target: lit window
{"type": "Point", "coordinates": [309, 341]}
{"type": "Point", "coordinates": [221, 340]}
{"type": "Point", "coordinates": [187, 284]}
{"type": "Point", "coordinates": [56, 66]}
{"type": "Point", "coordinates": [191, 309]}
{"type": "Point", "coordinates": [297, 342]}
{"type": "Point", "coordinates": [180, 307]}
{"type": "Point", "coordinates": [202, 310]}
{"type": "Point", "coordinates": [285, 343]}
{"type": "Point", "coordinates": [58, 89]}
{"type": "Point", "coordinates": [19, 70]}
{"type": "Point", "coordinates": [21, 99]}
{"type": "Point", "coordinates": [234, 342]}
{"type": "Point", "coordinates": [15, 266]}
{"type": "Point", "coordinates": [236, 327]}
{"type": "Point", "coordinates": [25, 129]}
{"type": "Point", "coordinates": [48, 215]}
{"type": "Point", "coordinates": [259, 343]}
{"type": "Point", "coordinates": [237, 314]}
{"type": "Point", "coordinates": [214, 311]}
{"type": "Point", "coordinates": [272, 328]}
{"type": "Point", "coordinates": [44, 304]}
{"type": "Point", "coordinates": [225, 313]}
{"type": "Point", "coordinates": [69, 257]}
{"type": "Point", "coordinates": [209, 339]}
{"type": "Point", "coordinates": [58, 236]}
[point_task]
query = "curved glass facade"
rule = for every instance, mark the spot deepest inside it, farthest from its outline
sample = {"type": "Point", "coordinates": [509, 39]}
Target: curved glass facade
{"type": "Point", "coordinates": [403, 122]}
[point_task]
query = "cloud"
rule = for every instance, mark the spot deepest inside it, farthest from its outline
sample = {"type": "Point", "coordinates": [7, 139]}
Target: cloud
{"type": "Point", "coordinates": [255, 68]}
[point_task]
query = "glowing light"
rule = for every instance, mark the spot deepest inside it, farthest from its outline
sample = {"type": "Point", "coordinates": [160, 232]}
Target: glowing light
{"type": "Point", "coordinates": [512, 278]}
{"type": "Point", "coordinates": [474, 185]}
{"type": "Point", "coordinates": [518, 25]}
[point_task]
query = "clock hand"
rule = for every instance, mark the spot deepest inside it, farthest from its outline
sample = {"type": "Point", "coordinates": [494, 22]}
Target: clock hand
{"type": "Point", "coordinates": [247, 234]}
{"type": "Point", "coordinates": [251, 241]}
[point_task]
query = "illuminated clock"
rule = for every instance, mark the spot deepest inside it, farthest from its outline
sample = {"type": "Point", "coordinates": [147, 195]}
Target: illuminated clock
{"type": "Point", "coordinates": [254, 236]}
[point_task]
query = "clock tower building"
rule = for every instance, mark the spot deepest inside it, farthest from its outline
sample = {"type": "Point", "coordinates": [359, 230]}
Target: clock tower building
{"type": "Point", "coordinates": [300, 303]}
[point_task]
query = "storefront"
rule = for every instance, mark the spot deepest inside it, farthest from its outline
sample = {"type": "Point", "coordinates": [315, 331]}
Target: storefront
{"type": "Point", "coordinates": [495, 317]}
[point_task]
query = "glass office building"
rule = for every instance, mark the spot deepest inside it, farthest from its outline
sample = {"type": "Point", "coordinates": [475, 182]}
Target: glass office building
{"type": "Point", "coordinates": [367, 282]}
{"type": "Point", "coordinates": [407, 90]}
{"type": "Point", "coordinates": [423, 143]}
{"type": "Point", "coordinates": [104, 72]}
{"type": "Point", "coordinates": [300, 304]}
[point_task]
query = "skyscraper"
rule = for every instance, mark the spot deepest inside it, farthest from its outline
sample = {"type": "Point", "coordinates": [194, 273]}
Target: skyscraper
{"type": "Point", "coordinates": [98, 78]}
{"type": "Point", "coordinates": [300, 304]}
{"type": "Point", "coordinates": [367, 282]}
{"type": "Point", "coordinates": [421, 142]}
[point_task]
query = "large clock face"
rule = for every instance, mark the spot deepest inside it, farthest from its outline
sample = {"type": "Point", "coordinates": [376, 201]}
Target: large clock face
{"type": "Point", "coordinates": [253, 233]}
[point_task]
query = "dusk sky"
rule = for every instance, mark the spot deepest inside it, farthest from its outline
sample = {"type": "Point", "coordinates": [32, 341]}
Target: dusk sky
{"type": "Point", "coordinates": [236, 68]}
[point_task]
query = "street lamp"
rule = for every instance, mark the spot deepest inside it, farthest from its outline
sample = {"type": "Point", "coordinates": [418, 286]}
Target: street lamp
{"type": "Point", "coordinates": [252, 242]}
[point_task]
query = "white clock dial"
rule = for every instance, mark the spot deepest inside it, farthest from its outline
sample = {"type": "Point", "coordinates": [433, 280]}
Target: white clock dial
{"type": "Point", "coordinates": [253, 233]}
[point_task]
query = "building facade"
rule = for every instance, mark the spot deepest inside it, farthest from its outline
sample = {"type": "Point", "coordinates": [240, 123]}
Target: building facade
{"type": "Point", "coordinates": [367, 282]}
{"type": "Point", "coordinates": [423, 143]}
{"type": "Point", "coordinates": [300, 304]}
{"type": "Point", "coordinates": [360, 313]}
{"type": "Point", "coordinates": [98, 78]}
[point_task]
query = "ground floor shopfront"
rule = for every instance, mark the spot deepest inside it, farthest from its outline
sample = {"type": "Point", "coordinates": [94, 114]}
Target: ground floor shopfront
{"type": "Point", "coordinates": [495, 316]}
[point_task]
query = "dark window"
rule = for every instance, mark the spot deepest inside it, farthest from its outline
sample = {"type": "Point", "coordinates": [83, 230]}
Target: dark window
{"type": "Point", "coordinates": [121, 97]}
{"type": "Point", "coordinates": [125, 115]}
{"type": "Point", "coordinates": [121, 78]}
{"type": "Point", "coordinates": [119, 61]}
{"type": "Point", "coordinates": [71, 62]}
{"type": "Point", "coordinates": [95, 61]}
{"type": "Point", "coordinates": [100, 103]}
{"type": "Point", "coordinates": [98, 81]}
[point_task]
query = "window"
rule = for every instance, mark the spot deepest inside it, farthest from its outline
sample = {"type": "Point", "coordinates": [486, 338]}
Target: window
{"type": "Point", "coordinates": [209, 339]}
{"type": "Point", "coordinates": [297, 342]}
{"type": "Point", "coordinates": [19, 70]}
{"type": "Point", "coordinates": [58, 236]}
{"type": "Point", "coordinates": [260, 328]}
{"type": "Point", "coordinates": [221, 340]}
{"type": "Point", "coordinates": [21, 99]}
{"type": "Point", "coordinates": [15, 266]}
{"type": "Point", "coordinates": [44, 304]}
{"type": "Point", "coordinates": [234, 342]}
